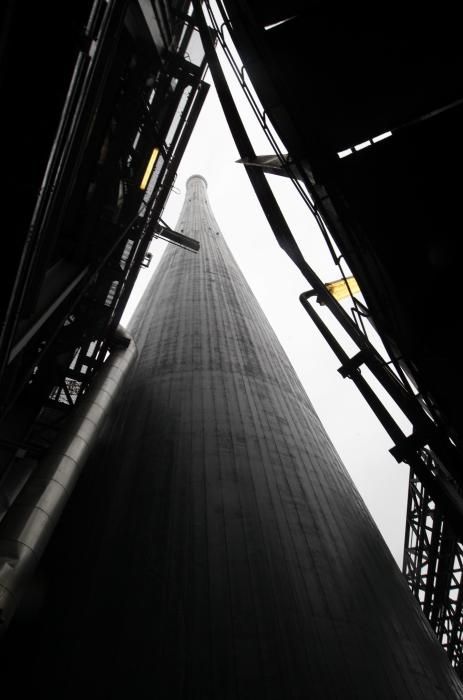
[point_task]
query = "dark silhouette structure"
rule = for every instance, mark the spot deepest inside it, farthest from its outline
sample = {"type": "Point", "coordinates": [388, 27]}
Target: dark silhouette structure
{"type": "Point", "coordinates": [87, 182]}
{"type": "Point", "coordinates": [93, 142]}
{"type": "Point", "coordinates": [225, 552]}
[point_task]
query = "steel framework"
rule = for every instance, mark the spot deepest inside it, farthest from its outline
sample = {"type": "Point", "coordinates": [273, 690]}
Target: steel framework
{"type": "Point", "coordinates": [133, 89]}
{"type": "Point", "coordinates": [55, 353]}
{"type": "Point", "coordinates": [433, 567]}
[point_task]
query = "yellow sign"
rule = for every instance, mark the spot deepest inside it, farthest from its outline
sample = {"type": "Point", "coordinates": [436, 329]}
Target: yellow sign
{"type": "Point", "coordinates": [340, 290]}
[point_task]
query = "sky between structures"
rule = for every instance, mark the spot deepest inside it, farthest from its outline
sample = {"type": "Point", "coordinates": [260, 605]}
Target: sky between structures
{"type": "Point", "coordinates": [276, 282]}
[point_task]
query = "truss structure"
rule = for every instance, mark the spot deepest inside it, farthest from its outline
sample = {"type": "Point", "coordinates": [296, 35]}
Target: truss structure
{"type": "Point", "coordinates": [433, 567]}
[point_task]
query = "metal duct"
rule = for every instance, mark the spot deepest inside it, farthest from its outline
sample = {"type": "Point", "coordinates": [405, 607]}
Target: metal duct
{"type": "Point", "coordinates": [31, 519]}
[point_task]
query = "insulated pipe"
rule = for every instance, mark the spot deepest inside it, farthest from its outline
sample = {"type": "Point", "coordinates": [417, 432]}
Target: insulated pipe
{"type": "Point", "coordinates": [32, 518]}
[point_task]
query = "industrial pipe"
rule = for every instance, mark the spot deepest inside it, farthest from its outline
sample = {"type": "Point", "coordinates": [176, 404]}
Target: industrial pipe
{"type": "Point", "coordinates": [33, 516]}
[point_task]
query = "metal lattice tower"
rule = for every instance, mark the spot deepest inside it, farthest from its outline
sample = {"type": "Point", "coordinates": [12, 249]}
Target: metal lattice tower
{"type": "Point", "coordinates": [217, 547]}
{"type": "Point", "coordinates": [433, 567]}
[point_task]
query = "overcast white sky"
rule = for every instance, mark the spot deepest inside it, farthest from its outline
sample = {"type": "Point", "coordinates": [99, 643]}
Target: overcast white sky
{"type": "Point", "coordinates": [277, 283]}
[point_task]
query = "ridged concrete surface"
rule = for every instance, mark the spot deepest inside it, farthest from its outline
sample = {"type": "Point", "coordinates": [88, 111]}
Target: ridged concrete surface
{"type": "Point", "coordinates": [217, 547]}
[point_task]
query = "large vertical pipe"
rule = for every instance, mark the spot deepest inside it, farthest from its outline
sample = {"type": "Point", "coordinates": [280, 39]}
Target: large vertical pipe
{"type": "Point", "coordinates": [224, 551]}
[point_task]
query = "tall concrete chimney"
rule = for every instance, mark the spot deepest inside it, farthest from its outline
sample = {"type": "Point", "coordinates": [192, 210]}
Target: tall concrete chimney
{"type": "Point", "coordinates": [216, 548]}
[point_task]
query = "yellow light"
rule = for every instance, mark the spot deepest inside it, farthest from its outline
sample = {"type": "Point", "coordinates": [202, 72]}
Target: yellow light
{"type": "Point", "coordinates": [340, 290]}
{"type": "Point", "coordinates": [149, 168]}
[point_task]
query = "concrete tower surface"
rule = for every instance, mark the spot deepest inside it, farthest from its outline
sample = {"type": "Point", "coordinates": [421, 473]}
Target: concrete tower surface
{"type": "Point", "coordinates": [217, 548]}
